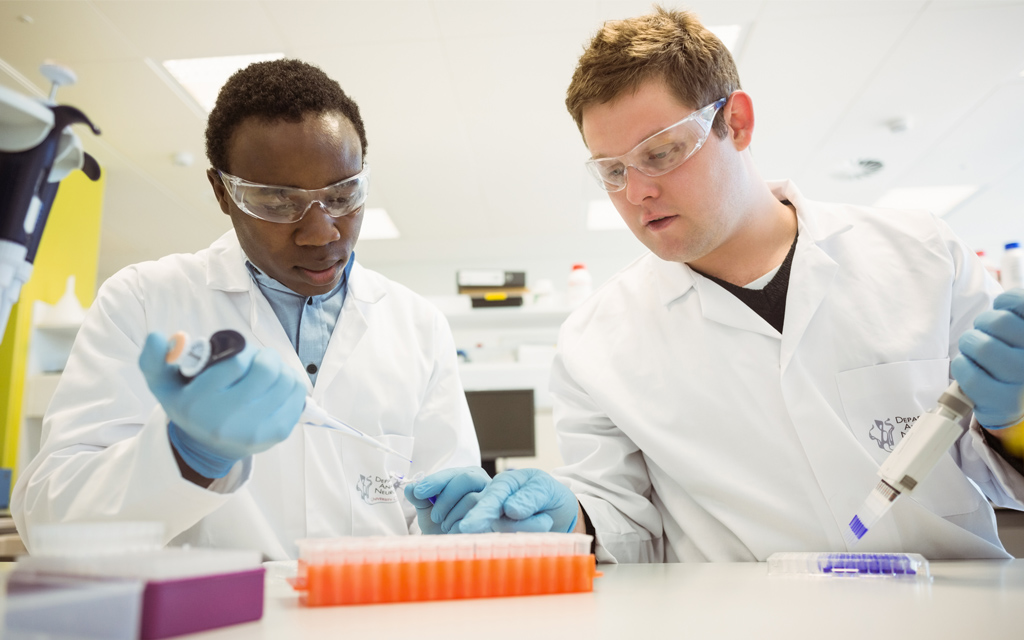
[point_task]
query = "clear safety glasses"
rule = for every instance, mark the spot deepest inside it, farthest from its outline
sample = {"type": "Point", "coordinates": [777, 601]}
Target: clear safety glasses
{"type": "Point", "coordinates": [660, 153]}
{"type": "Point", "coordinates": [289, 204]}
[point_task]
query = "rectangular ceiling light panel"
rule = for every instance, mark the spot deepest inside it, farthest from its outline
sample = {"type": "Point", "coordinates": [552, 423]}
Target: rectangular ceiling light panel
{"type": "Point", "coordinates": [939, 200]}
{"type": "Point", "coordinates": [202, 78]}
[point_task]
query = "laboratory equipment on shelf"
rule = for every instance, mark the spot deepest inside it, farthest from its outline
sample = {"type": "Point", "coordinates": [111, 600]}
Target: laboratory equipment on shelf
{"type": "Point", "coordinates": [38, 149]}
{"type": "Point", "coordinates": [1011, 271]}
{"type": "Point", "coordinates": [990, 265]}
{"type": "Point", "coordinates": [193, 356]}
{"type": "Point", "coordinates": [363, 570]}
{"type": "Point", "coordinates": [912, 459]}
{"type": "Point", "coordinates": [579, 287]}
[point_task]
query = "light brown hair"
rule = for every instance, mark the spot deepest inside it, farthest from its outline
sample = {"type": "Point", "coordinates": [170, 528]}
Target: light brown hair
{"type": "Point", "coordinates": [672, 46]}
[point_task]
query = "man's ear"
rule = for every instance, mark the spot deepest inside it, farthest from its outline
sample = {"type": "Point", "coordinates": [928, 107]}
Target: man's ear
{"type": "Point", "coordinates": [219, 191]}
{"type": "Point", "coordinates": [739, 116]}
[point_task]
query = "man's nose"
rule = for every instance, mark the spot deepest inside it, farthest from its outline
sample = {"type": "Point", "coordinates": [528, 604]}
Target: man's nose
{"type": "Point", "coordinates": [317, 227]}
{"type": "Point", "coordinates": [639, 187]}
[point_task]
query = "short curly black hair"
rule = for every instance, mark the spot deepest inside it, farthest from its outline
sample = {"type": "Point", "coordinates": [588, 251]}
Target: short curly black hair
{"type": "Point", "coordinates": [275, 90]}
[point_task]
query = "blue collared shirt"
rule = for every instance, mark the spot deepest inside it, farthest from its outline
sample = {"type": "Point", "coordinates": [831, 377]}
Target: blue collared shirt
{"type": "Point", "coordinates": [308, 321]}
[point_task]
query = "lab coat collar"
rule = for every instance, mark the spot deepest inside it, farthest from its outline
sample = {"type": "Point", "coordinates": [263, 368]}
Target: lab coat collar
{"type": "Point", "coordinates": [225, 266]}
{"type": "Point", "coordinates": [813, 228]}
{"type": "Point", "coordinates": [363, 288]}
{"type": "Point", "coordinates": [225, 271]}
{"type": "Point", "coordinates": [811, 276]}
{"type": "Point", "coordinates": [813, 270]}
{"type": "Point", "coordinates": [673, 279]}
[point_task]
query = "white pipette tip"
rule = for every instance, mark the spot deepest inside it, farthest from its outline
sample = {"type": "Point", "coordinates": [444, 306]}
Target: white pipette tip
{"type": "Point", "coordinates": [316, 416]}
{"type": "Point", "coordinates": [878, 502]}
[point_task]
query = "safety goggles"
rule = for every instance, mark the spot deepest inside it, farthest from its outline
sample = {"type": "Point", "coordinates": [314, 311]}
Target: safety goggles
{"type": "Point", "coordinates": [289, 204]}
{"type": "Point", "coordinates": [660, 153]}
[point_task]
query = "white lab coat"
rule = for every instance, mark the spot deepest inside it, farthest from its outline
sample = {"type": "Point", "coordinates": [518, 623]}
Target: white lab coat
{"type": "Point", "coordinates": [693, 431]}
{"type": "Point", "coordinates": [390, 369]}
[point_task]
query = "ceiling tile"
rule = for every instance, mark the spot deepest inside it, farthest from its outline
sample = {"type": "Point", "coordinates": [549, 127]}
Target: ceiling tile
{"type": "Point", "coordinates": [63, 32]}
{"type": "Point", "coordinates": [172, 29]}
{"type": "Point", "coordinates": [305, 25]}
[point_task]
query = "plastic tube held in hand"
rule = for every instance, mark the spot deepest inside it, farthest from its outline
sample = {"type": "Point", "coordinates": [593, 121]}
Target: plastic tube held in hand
{"type": "Point", "coordinates": [317, 417]}
{"type": "Point", "coordinates": [912, 459]}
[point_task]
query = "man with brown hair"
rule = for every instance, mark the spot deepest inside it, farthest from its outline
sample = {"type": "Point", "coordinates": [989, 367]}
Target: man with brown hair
{"type": "Point", "coordinates": [733, 392]}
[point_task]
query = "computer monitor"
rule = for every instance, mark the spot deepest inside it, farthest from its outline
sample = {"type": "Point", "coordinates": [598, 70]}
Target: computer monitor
{"type": "Point", "coordinates": [504, 421]}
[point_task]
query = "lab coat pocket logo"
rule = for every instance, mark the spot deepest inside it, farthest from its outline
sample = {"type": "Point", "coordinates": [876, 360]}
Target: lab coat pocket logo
{"type": "Point", "coordinates": [882, 434]}
{"type": "Point", "coordinates": [374, 489]}
{"type": "Point", "coordinates": [882, 402]}
{"type": "Point", "coordinates": [885, 433]}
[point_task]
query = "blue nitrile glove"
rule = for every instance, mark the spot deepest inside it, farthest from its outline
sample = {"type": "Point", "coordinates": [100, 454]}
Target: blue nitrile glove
{"type": "Point", "coordinates": [238, 407]}
{"type": "Point", "coordinates": [443, 498]}
{"type": "Point", "coordinates": [990, 367]}
{"type": "Point", "coordinates": [523, 500]}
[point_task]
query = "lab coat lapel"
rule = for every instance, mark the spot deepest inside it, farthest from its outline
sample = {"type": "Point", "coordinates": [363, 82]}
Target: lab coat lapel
{"type": "Point", "coordinates": [226, 271]}
{"type": "Point", "coordinates": [813, 268]}
{"type": "Point", "coordinates": [674, 280]}
{"type": "Point", "coordinates": [810, 278]}
{"type": "Point", "coordinates": [362, 294]}
{"type": "Point", "coordinates": [721, 306]}
{"type": "Point", "coordinates": [268, 330]}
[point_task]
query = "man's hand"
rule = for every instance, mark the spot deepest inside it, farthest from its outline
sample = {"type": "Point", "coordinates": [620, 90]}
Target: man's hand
{"type": "Point", "coordinates": [990, 367]}
{"type": "Point", "coordinates": [523, 500]}
{"type": "Point", "coordinates": [236, 408]}
{"type": "Point", "coordinates": [443, 498]}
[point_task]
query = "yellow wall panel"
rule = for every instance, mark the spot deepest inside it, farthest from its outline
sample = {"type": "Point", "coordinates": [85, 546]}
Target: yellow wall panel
{"type": "Point", "coordinates": [70, 246]}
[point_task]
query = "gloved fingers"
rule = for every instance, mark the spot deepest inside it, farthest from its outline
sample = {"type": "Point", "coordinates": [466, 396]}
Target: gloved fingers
{"type": "Point", "coordinates": [538, 523]}
{"type": "Point", "coordinates": [470, 481]}
{"type": "Point", "coordinates": [540, 493]}
{"type": "Point", "coordinates": [160, 376]}
{"type": "Point", "coordinates": [458, 512]}
{"type": "Point", "coordinates": [290, 397]}
{"type": "Point", "coordinates": [491, 503]}
{"type": "Point", "coordinates": [996, 403]}
{"type": "Point", "coordinates": [230, 372]}
{"type": "Point", "coordinates": [1012, 300]}
{"type": "Point", "coordinates": [275, 413]}
{"type": "Point", "coordinates": [1003, 362]}
{"type": "Point", "coordinates": [435, 483]}
{"type": "Point", "coordinates": [1003, 325]}
{"type": "Point", "coordinates": [263, 373]}
{"type": "Point", "coordinates": [421, 504]}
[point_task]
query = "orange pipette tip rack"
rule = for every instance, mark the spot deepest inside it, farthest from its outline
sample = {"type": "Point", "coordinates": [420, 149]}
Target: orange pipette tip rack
{"type": "Point", "coordinates": [336, 571]}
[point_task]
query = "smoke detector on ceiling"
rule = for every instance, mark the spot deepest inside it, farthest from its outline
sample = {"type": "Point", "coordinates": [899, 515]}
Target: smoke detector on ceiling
{"type": "Point", "coordinates": [857, 169]}
{"type": "Point", "coordinates": [901, 124]}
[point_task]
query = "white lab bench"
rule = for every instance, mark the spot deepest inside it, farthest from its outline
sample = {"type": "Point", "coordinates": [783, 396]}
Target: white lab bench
{"type": "Point", "coordinates": [965, 599]}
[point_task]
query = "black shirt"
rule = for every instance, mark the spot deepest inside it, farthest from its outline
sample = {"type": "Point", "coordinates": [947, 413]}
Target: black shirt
{"type": "Point", "coordinates": [770, 302]}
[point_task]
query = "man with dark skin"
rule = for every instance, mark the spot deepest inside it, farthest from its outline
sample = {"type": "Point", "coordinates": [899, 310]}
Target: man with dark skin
{"type": "Point", "coordinates": [226, 459]}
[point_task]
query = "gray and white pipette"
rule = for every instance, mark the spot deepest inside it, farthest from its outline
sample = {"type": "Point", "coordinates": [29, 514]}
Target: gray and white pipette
{"type": "Point", "coordinates": [912, 459]}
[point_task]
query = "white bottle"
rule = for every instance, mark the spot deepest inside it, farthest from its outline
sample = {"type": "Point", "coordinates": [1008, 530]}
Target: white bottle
{"type": "Point", "coordinates": [1012, 272]}
{"type": "Point", "coordinates": [989, 264]}
{"type": "Point", "coordinates": [580, 286]}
